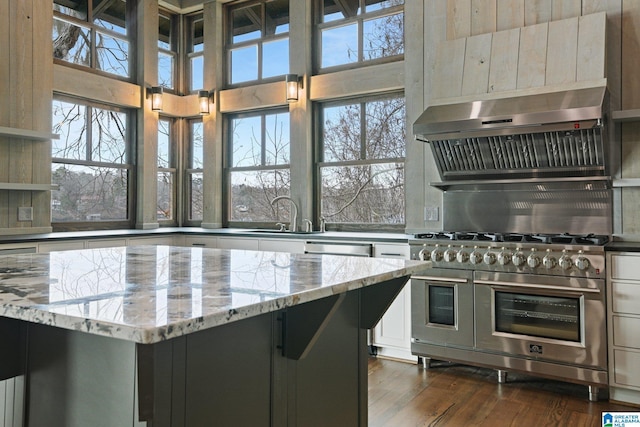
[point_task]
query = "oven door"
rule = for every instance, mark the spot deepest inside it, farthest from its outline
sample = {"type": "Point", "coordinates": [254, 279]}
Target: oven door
{"type": "Point", "coordinates": [559, 319]}
{"type": "Point", "coordinates": [442, 308]}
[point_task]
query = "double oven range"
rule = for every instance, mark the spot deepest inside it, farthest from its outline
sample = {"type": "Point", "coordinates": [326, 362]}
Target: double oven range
{"type": "Point", "coordinates": [518, 284]}
{"type": "Point", "coordinates": [513, 302]}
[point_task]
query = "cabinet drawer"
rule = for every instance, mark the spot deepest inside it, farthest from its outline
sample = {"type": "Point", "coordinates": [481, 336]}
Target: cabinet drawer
{"type": "Point", "coordinates": [382, 250]}
{"type": "Point", "coordinates": [625, 266]}
{"type": "Point", "coordinates": [625, 297]}
{"type": "Point", "coordinates": [625, 332]}
{"type": "Point", "coordinates": [626, 368]}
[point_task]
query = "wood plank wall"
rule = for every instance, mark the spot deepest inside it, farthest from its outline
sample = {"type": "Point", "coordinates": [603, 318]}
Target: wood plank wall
{"type": "Point", "coordinates": [554, 54]}
{"type": "Point", "coordinates": [26, 93]}
{"type": "Point", "coordinates": [25, 102]}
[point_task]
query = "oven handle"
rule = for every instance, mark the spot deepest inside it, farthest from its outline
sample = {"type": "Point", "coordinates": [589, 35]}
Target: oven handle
{"type": "Point", "coordinates": [441, 279]}
{"type": "Point", "coordinates": [512, 285]}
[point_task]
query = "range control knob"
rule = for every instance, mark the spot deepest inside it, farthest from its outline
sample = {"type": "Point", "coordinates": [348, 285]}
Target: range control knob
{"type": "Point", "coordinates": [504, 257]}
{"type": "Point", "coordinates": [424, 254]}
{"type": "Point", "coordinates": [518, 259]}
{"type": "Point", "coordinates": [489, 258]}
{"type": "Point", "coordinates": [565, 261]}
{"type": "Point", "coordinates": [463, 256]}
{"type": "Point", "coordinates": [549, 261]}
{"type": "Point", "coordinates": [436, 254]}
{"type": "Point", "coordinates": [450, 254]}
{"type": "Point", "coordinates": [476, 256]}
{"type": "Point", "coordinates": [582, 262]}
{"type": "Point", "coordinates": [533, 260]}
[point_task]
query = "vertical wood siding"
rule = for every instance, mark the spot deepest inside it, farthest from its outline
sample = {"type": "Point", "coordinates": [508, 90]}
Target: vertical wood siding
{"type": "Point", "coordinates": [503, 72]}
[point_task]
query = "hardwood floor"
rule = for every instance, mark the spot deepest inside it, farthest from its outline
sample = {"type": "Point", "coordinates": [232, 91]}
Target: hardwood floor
{"type": "Point", "coordinates": [406, 395]}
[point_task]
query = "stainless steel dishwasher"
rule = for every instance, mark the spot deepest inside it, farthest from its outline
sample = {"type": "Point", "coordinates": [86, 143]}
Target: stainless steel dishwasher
{"type": "Point", "coordinates": [338, 248]}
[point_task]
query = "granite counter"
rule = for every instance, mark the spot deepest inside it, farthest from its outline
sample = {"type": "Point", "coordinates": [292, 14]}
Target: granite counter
{"type": "Point", "coordinates": [178, 336]}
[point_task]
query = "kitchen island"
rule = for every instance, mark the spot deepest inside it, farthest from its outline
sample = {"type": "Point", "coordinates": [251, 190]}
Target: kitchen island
{"type": "Point", "coordinates": [173, 336]}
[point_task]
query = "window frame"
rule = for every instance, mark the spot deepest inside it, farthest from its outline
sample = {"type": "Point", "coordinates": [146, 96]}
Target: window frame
{"type": "Point", "coordinates": [188, 171]}
{"type": "Point", "coordinates": [171, 169]}
{"type": "Point", "coordinates": [173, 52]}
{"type": "Point", "coordinates": [229, 45]}
{"type": "Point", "coordinates": [358, 19]}
{"type": "Point", "coordinates": [129, 166]}
{"type": "Point", "coordinates": [89, 25]}
{"type": "Point", "coordinates": [228, 168]}
{"type": "Point", "coordinates": [190, 53]}
{"type": "Point", "coordinates": [319, 162]}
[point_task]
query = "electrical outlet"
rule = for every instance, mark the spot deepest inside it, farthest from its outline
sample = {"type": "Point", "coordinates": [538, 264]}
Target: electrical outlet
{"type": "Point", "coordinates": [431, 213]}
{"type": "Point", "coordinates": [25, 213]}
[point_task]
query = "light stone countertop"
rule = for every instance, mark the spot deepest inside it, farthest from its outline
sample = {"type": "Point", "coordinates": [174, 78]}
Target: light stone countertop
{"type": "Point", "coordinates": [147, 294]}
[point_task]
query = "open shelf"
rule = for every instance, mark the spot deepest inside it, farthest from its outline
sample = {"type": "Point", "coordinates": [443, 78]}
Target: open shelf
{"type": "Point", "coordinates": [626, 182]}
{"type": "Point", "coordinates": [27, 134]}
{"type": "Point", "coordinates": [626, 115]}
{"type": "Point", "coordinates": [27, 187]}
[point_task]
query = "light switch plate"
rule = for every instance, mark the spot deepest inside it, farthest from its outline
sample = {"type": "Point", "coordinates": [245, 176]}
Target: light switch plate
{"type": "Point", "coordinates": [25, 213]}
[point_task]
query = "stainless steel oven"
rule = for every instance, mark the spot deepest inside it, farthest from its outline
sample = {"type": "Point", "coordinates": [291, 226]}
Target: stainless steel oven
{"type": "Point", "coordinates": [442, 308]}
{"type": "Point", "coordinates": [555, 319]}
{"type": "Point", "coordinates": [513, 302]}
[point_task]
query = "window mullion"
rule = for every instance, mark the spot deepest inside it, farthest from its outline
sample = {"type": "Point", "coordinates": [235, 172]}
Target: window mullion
{"type": "Point", "coordinates": [363, 131]}
{"type": "Point", "coordinates": [263, 140]}
{"type": "Point", "coordinates": [89, 133]}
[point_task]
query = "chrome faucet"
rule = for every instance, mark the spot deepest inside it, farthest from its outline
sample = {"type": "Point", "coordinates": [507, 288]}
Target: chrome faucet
{"type": "Point", "coordinates": [294, 218]}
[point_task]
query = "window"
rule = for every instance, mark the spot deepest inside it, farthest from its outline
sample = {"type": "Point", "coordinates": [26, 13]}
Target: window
{"type": "Point", "coordinates": [167, 50]}
{"type": "Point", "coordinates": [258, 159]}
{"type": "Point", "coordinates": [193, 171]}
{"type": "Point", "coordinates": [357, 31]}
{"type": "Point", "coordinates": [195, 52]}
{"type": "Point", "coordinates": [166, 171]}
{"type": "Point", "coordinates": [92, 34]}
{"type": "Point", "coordinates": [91, 163]}
{"type": "Point", "coordinates": [361, 162]}
{"type": "Point", "coordinates": [257, 41]}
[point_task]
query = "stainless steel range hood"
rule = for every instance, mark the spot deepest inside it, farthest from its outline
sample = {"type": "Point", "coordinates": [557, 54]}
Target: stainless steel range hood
{"type": "Point", "coordinates": [549, 135]}
{"type": "Point", "coordinates": [513, 115]}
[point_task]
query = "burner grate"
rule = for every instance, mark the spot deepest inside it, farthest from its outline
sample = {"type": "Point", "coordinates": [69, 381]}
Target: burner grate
{"type": "Point", "coordinates": [566, 239]}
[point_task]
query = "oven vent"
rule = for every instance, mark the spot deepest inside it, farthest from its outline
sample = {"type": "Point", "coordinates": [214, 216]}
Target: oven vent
{"type": "Point", "coordinates": [562, 153]}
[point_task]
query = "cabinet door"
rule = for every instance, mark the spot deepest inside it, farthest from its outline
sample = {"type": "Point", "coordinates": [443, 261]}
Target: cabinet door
{"type": "Point", "coordinates": [201, 241]}
{"type": "Point", "coordinates": [238, 243]}
{"type": "Point", "coordinates": [46, 247]}
{"type": "Point", "coordinates": [282, 245]}
{"type": "Point", "coordinates": [155, 240]}
{"type": "Point", "coordinates": [18, 248]}
{"type": "Point", "coordinates": [106, 243]}
{"type": "Point", "coordinates": [392, 335]}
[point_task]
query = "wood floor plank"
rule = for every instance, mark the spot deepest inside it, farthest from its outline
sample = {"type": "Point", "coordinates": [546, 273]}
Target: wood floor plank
{"type": "Point", "coordinates": [406, 395]}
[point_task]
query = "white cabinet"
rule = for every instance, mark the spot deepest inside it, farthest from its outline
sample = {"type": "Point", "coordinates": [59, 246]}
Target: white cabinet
{"type": "Point", "coordinates": [18, 248]}
{"type": "Point", "coordinates": [623, 315]}
{"type": "Point", "coordinates": [201, 241]}
{"type": "Point", "coordinates": [65, 245]}
{"type": "Point", "coordinates": [247, 243]}
{"type": "Point", "coordinates": [282, 245]}
{"type": "Point", "coordinates": [151, 240]}
{"type": "Point", "coordinates": [105, 243]}
{"type": "Point", "coordinates": [392, 335]}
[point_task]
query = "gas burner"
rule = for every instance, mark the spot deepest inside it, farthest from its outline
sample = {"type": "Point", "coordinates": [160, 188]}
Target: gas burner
{"type": "Point", "coordinates": [515, 237]}
{"type": "Point", "coordinates": [565, 239]}
{"type": "Point", "coordinates": [587, 239]}
{"type": "Point", "coordinates": [477, 236]}
{"type": "Point", "coordinates": [439, 235]}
